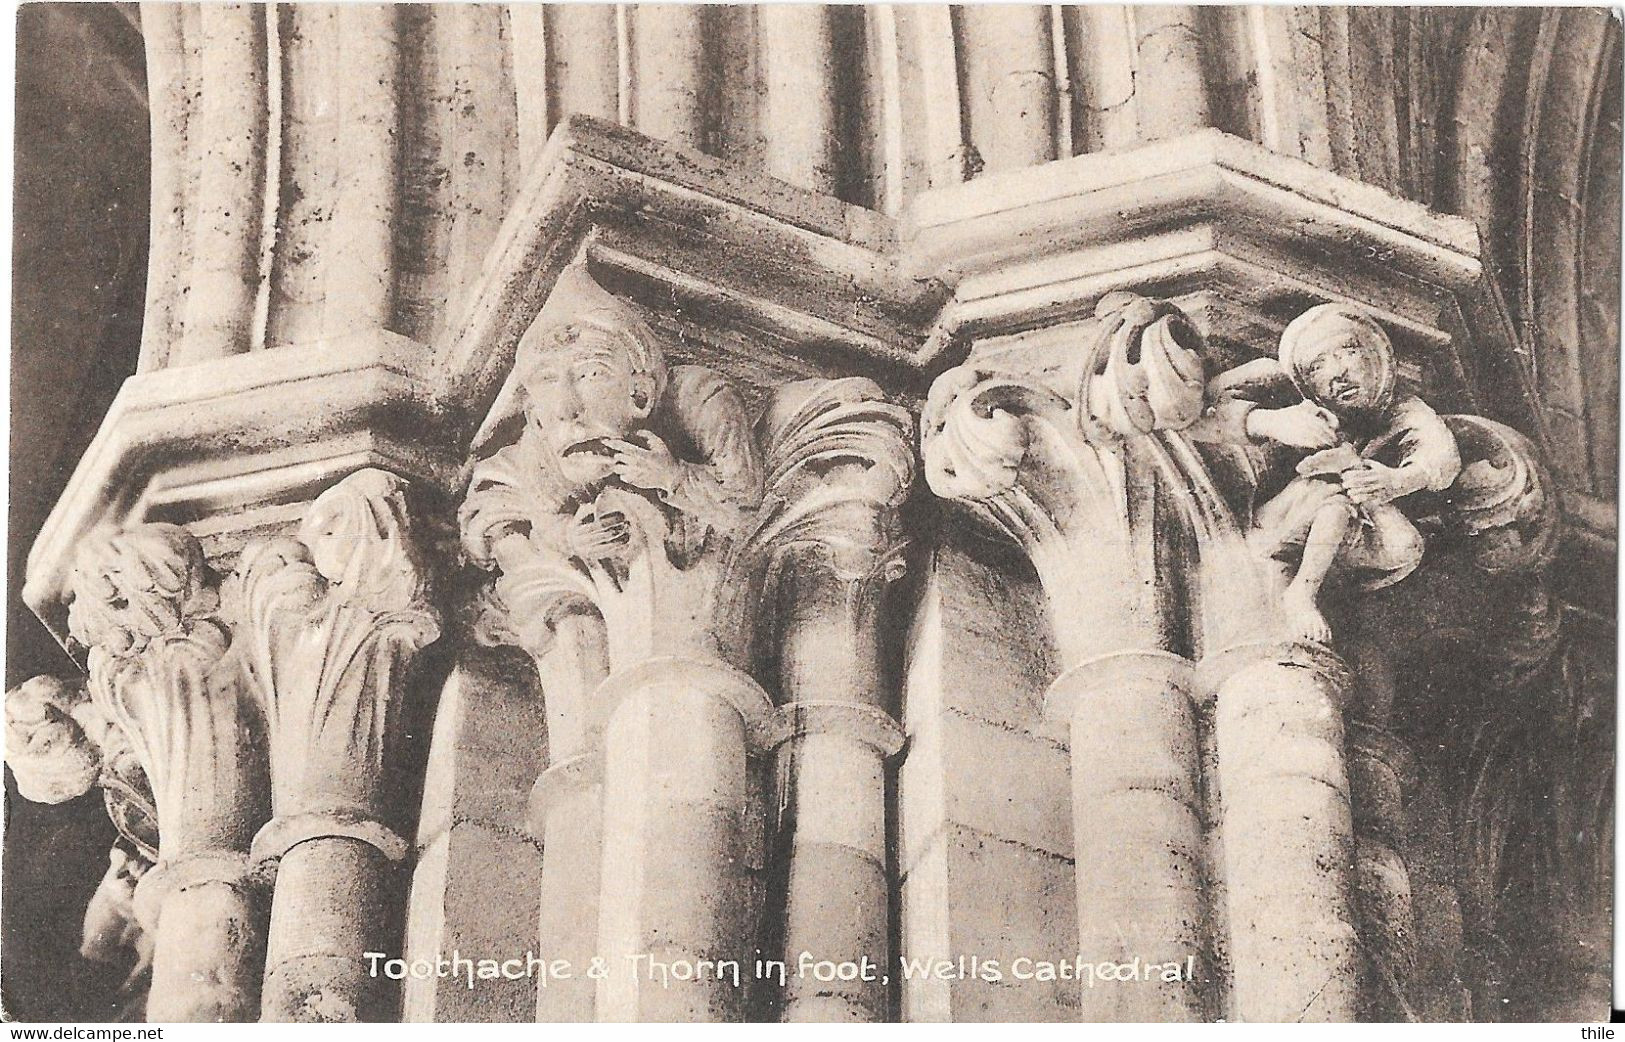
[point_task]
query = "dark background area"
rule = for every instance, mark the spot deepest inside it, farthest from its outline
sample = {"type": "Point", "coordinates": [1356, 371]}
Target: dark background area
{"type": "Point", "coordinates": [79, 241]}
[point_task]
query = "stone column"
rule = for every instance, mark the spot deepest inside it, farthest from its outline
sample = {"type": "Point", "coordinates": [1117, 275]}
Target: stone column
{"type": "Point", "coordinates": [673, 885]}
{"type": "Point", "coordinates": [830, 560]}
{"type": "Point", "coordinates": [833, 765]}
{"type": "Point", "coordinates": [838, 897]}
{"type": "Point", "coordinates": [567, 812]}
{"type": "Point", "coordinates": [144, 605]}
{"type": "Point", "coordinates": [1289, 845]}
{"type": "Point", "coordinates": [332, 620]}
{"type": "Point", "coordinates": [564, 637]}
{"type": "Point", "coordinates": [668, 514]}
{"type": "Point", "coordinates": [1138, 830]}
{"type": "Point", "coordinates": [1080, 477]}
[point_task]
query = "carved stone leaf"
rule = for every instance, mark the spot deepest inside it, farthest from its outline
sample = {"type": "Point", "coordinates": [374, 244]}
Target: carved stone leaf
{"type": "Point", "coordinates": [1145, 370]}
{"type": "Point", "coordinates": [839, 462]}
{"type": "Point", "coordinates": [1503, 501]}
{"type": "Point", "coordinates": [330, 620]}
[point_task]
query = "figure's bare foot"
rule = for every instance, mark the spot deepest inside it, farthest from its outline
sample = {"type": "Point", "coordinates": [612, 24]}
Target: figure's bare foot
{"type": "Point", "coordinates": [1303, 618]}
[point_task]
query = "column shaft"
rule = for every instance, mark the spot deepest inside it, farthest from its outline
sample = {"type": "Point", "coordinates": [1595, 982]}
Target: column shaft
{"type": "Point", "coordinates": [330, 907]}
{"type": "Point", "coordinates": [1288, 834]}
{"type": "Point", "coordinates": [208, 952]}
{"type": "Point", "coordinates": [837, 899]}
{"type": "Point", "coordinates": [1377, 768]}
{"type": "Point", "coordinates": [572, 846]}
{"type": "Point", "coordinates": [674, 886]}
{"type": "Point", "coordinates": [798, 56]}
{"type": "Point", "coordinates": [1138, 833]}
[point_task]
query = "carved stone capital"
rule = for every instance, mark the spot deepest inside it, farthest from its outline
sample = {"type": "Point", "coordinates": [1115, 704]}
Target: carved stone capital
{"type": "Point", "coordinates": [145, 605]}
{"type": "Point", "coordinates": [839, 461]}
{"type": "Point", "coordinates": [328, 624]}
{"type": "Point", "coordinates": [1067, 458]}
{"type": "Point", "coordinates": [644, 494]}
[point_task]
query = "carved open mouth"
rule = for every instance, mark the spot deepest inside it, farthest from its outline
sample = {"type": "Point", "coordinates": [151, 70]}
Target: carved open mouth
{"type": "Point", "coordinates": [588, 447]}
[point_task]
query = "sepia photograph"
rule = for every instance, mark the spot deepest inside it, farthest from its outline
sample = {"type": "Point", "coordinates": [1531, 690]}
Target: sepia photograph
{"type": "Point", "coordinates": [856, 513]}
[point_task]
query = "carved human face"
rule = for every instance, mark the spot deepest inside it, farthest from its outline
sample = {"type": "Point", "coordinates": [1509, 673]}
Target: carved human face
{"type": "Point", "coordinates": [331, 537]}
{"type": "Point", "coordinates": [1343, 373]}
{"type": "Point", "coordinates": [582, 393]}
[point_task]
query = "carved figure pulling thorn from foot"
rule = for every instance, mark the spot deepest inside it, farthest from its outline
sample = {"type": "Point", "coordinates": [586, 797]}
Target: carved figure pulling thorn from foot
{"type": "Point", "coordinates": [1329, 400]}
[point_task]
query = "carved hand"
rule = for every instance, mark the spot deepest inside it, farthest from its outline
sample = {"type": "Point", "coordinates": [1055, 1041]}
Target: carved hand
{"type": "Point", "coordinates": [595, 537]}
{"type": "Point", "coordinates": [1305, 426]}
{"type": "Point", "coordinates": [1375, 483]}
{"type": "Point", "coordinates": [650, 466]}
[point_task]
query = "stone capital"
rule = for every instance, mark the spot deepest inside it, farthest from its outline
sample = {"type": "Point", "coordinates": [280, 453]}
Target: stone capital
{"type": "Point", "coordinates": [1072, 449]}
{"type": "Point", "coordinates": [145, 604]}
{"type": "Point", "coordinates": [329, 622]}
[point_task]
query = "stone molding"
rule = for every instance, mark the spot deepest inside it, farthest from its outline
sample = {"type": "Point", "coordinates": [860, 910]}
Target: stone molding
{"type": "Point", "coordinates": [863, 724]}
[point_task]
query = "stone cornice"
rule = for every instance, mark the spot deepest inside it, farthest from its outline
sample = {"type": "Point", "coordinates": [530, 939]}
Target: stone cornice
{"type": "Point", "coordinates": [247, 433]}
{"type": "Point", "coordinates": [995, 219]}
{"type": "Point", "coordinates": [818, 277]}
{"type": "Point", "coordinates": [1239, 236]}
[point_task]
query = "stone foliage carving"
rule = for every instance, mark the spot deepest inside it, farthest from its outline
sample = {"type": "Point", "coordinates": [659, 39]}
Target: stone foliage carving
{"type": "Point", "coordinates": [839, 463]}
{"type": "Point", "coordinates": [1065, 460]}
{"type": "Point", "coordinates": [145, 605]}
{"type": "Point", "coordinates": [1503, 503]}
{"type": "Point", "coordinates": [328, 621]}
